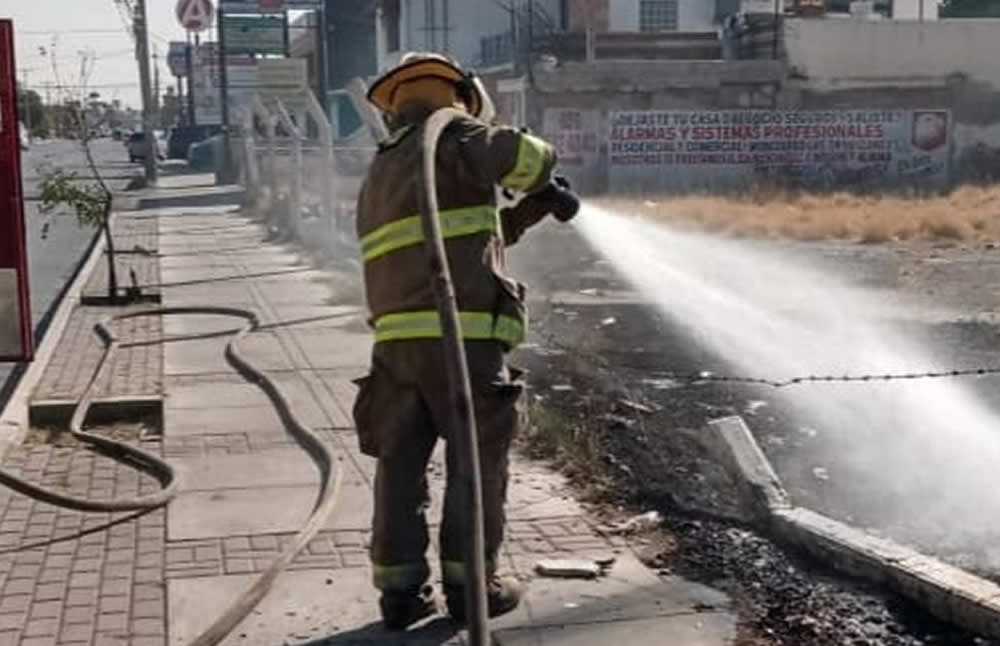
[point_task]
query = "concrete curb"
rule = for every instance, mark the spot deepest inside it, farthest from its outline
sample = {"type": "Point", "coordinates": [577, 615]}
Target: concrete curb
{"type": "Point", "coordinates": [946, 592]}
{"type": "Point", "coordinates": [14, 418]}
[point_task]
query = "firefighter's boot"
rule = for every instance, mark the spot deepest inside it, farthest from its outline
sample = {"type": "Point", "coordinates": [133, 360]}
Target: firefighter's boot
{"type": "Point", "coordinates": [503, 594]}
{"type": "Point", "coordinates": [400, 609]}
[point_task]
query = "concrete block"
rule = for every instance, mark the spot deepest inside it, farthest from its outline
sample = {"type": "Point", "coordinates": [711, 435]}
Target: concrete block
{"type": "Point", "coordinates": [735, 447]}
{"type": "Point", "coordinates": [948, 593]}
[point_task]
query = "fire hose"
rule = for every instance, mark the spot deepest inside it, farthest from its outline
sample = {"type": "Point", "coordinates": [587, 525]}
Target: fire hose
{"type": "Point", "coordinates": [153, 465]}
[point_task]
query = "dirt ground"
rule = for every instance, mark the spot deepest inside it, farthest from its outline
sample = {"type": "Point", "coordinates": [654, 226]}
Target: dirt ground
{"type": "Point", "coordinates": [596, 376]}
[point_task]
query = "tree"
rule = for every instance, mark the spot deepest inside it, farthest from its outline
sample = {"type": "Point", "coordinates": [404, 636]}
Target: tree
{"type": "Point", "coordinates": [89, 197]}
{"type": "Point", "coordinates": [32, 111]}
{"type": "Point", "coordinates": [970, 8]}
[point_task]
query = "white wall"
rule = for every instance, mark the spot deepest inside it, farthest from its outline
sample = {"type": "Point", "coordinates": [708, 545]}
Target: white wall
{"type": "Point", "coordinates": [623, 15]}
{"type": "Point", "coordinates": [910, 9]}
{"type": "Point", "coordinates": [695, 15]}
{"type": "Point", "coordinates": [843, 50]}
{"type": "Point", "coordinates": [469, 21]}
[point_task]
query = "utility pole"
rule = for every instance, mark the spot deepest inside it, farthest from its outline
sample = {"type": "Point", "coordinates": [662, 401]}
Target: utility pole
{"type": "Point", "coordinates": [226, 173]}
{"type": "Point", "coordinates": [192, 120]}
{"type": "Point", "coordinates": [27, 103]}
{"type": "Point", "coordinates": [156, 82]}
{"type": "Point", "coordinates": [142, 53]}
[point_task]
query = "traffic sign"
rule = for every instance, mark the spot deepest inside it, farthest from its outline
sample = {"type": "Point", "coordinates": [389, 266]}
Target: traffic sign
{"type": "Point", "coordinates": [195, 15]}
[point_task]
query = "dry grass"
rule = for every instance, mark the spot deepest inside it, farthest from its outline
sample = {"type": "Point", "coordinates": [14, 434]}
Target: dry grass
{"type": "Point", "coordinates": [970, 213]}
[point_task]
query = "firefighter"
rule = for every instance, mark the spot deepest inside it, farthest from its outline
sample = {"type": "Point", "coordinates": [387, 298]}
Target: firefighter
{"type": "Point", "coordinates": [402, 406]}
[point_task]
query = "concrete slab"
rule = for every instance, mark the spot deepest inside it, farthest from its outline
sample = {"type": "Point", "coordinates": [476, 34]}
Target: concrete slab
{"type": "Point", "coordinates": [239, 394]}
{"type": "Point", "coordinates": [689, 629]}
{"type": "Point", "coordinates": [273, 468]}
{"type": "Point", "coordinates": [346, 350]}
{"type": "Point", "coordinates": [264, 510]}
{"type": "Point", "coordinates": [253, 420]}
{"type": "Point", "coordinates": [208, 355]}
{"type": "Point", "coordinates": [332, 608]}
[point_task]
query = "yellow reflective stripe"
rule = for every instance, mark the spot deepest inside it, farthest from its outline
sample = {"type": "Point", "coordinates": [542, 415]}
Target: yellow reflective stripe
{"type": "Point", "coordinates": [453, 572]}
{"type": "Point", "coordinates": [532, 155]}
{"type": "Point", "coordinates": [476, 326]}
{"type": "Point", "coordinates": [408, 231]}
{"type": "Point", "coordinates": [399, 577]}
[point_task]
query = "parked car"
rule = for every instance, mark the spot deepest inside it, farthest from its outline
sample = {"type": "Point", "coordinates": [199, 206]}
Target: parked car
{"type": "Point", "coordinates": [205, 155]}
{"type": "Point", "coordinates": [136, 146]}
{"type": "Point", "coordinates": [181, 138]}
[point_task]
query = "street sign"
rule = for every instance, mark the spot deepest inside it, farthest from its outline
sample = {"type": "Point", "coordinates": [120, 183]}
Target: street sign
{"type": "Point", "coordinates": [15, 314]}
{"type": "Point", "coordinates": [254, 34]}
{"type": "Point", "coordinates": [206, 84]}
{"type": "Point", "coordinates": [177, 58]}
{"type": "Point", "coordinates": [195, 15]}
{"type": "Point", "coordinates": [269, 6]}
{"type": "Point", "coordinates": [283, 78]}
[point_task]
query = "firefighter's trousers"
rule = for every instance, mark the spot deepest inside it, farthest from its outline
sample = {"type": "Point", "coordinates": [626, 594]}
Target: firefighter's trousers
{"type": "Point", "coordinates": [401, 410]}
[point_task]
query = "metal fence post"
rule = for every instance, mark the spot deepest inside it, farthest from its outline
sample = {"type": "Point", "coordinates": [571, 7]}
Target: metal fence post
{"type": "Point", "coordinates": [295, 181]}
{"type": "Point", "coordinates": [329, 180]}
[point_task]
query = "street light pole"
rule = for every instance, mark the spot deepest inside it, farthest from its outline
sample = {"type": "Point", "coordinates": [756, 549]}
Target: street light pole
{"type": "Point", "coordinates": [142, 53]}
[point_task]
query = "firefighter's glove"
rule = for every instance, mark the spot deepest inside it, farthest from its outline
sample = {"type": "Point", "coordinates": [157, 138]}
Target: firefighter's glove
{"type": "Point", "coordinates": [559, 199]}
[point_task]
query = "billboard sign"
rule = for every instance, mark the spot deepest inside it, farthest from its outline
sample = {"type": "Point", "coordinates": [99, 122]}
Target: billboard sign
{"type": "Point", "coordinates": [254, 34]}
{"type": "Point", "coordinates": [206, 85]}
{"type": "Point", "coordinates": [15, 314]}
{"type": "Point", "coordinates": [268, 6]}
{"type": "Point", "coordinates": [705, 148]}
{"type": "Point", "coordinates": [177, 58]}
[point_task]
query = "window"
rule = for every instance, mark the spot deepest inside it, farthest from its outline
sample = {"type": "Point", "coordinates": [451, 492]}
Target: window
{"type": "Point", "coordinates": [657, 15]}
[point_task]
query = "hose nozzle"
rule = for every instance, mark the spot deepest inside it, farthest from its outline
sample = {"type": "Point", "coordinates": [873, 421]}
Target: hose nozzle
{"type": "Point", "coordinates": [560, 198]}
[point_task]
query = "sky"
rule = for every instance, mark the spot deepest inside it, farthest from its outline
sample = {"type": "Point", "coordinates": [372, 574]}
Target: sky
{"type": "Point", "coordinates": [93, 25]}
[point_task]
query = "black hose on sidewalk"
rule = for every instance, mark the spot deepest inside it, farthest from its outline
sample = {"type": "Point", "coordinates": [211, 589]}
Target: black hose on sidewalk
{"type": "Point", "coordinates": [167, 476]}
{"type": "Point", "coordinates": [459, 389]}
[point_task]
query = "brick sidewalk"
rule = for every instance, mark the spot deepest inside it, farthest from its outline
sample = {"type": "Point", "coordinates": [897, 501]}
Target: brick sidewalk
{"type": "Point", "coordinates": [73, 579]}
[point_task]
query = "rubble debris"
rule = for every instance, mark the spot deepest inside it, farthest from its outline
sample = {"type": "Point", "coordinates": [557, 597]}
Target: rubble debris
{"type": "Point", "coordinates": [753, 406]}
{"type": "Point", "coordinates": [568, 569]}
{"type": "Point", "coordinates": [562, 388]}
{"type": "Point", "coordinates": [608, 321]}
{"type": "Point", "coordinates": [642, 408]}
{"type": "Point", "coordinates": [660, 383]}
{"type": "Point", "coordinates": [639, 523]}
{"type": "Point", "coordinates": [821, 473]}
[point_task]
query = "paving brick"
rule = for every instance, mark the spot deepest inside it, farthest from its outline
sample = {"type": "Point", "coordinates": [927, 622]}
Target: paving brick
{"type": "Point", "coordinates": [148, 592]}
{"type": "Point", "coordinates": [19, 586]}
{"type": "Point", "coordinates": [77, 632]}
{"type": "Point", "coordinates": [154, 627]}
{"type": "Point", "coordinates": [48, 640]}
{"type": "Point", "coordinates": [81, 597]}
{"type": "Point", "coordinates": [46, 609]}
{"type": "Point", "coordinates": [12, 620]}
{"type": "Point", "coordinates": [114, 604]}
{"type": "Point", "coordinates": [15, 603]}
{"type": "Point", "coordinates": [41, 627]}
{"type": "Point", "coordinates": [113, 621]}
{"type": "Point", "coordinates": [78, 615]}
{"type": "Point", "coordinates": [147, 609]}
{"type": "Point", "coordinates": [114, 587]}
{"type": "Point", "coordinates": [50, 591]}
{"type": "Point", "coordinates": [84, 580]}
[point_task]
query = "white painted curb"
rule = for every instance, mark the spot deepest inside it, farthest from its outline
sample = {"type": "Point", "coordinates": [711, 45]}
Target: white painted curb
{"type": "Point", "coordinates": [949, 593]}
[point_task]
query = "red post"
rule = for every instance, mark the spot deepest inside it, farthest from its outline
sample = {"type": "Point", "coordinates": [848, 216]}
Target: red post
{"type": "Point", "coordinates": [16, 341]}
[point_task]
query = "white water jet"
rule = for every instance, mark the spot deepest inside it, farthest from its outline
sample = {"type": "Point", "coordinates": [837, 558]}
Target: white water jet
{"type": "Point", "coordinates": [931, 443]}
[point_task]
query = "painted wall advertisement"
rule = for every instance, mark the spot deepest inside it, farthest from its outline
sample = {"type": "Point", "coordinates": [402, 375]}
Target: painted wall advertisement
{"type": "Point", "coordinates": [692, 149]}
{"type": "Point", "coordinates": [575, 134]}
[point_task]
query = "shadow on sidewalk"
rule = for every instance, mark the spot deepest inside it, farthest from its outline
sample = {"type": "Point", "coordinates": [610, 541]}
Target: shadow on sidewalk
{"type": "Point", "coordinates": [435, 633]}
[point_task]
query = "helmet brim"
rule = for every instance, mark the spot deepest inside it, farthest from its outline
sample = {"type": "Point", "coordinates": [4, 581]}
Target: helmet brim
{"type": "Point", "coordinates": [384, 88]}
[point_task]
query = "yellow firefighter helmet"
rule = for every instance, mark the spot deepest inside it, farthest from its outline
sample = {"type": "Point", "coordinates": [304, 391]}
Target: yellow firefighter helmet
{"type": "Point", "coordinates": [417, 66]}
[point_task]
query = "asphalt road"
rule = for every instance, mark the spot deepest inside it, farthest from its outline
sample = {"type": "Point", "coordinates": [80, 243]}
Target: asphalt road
{"type": "Point", "coordinates": [53, 260]}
